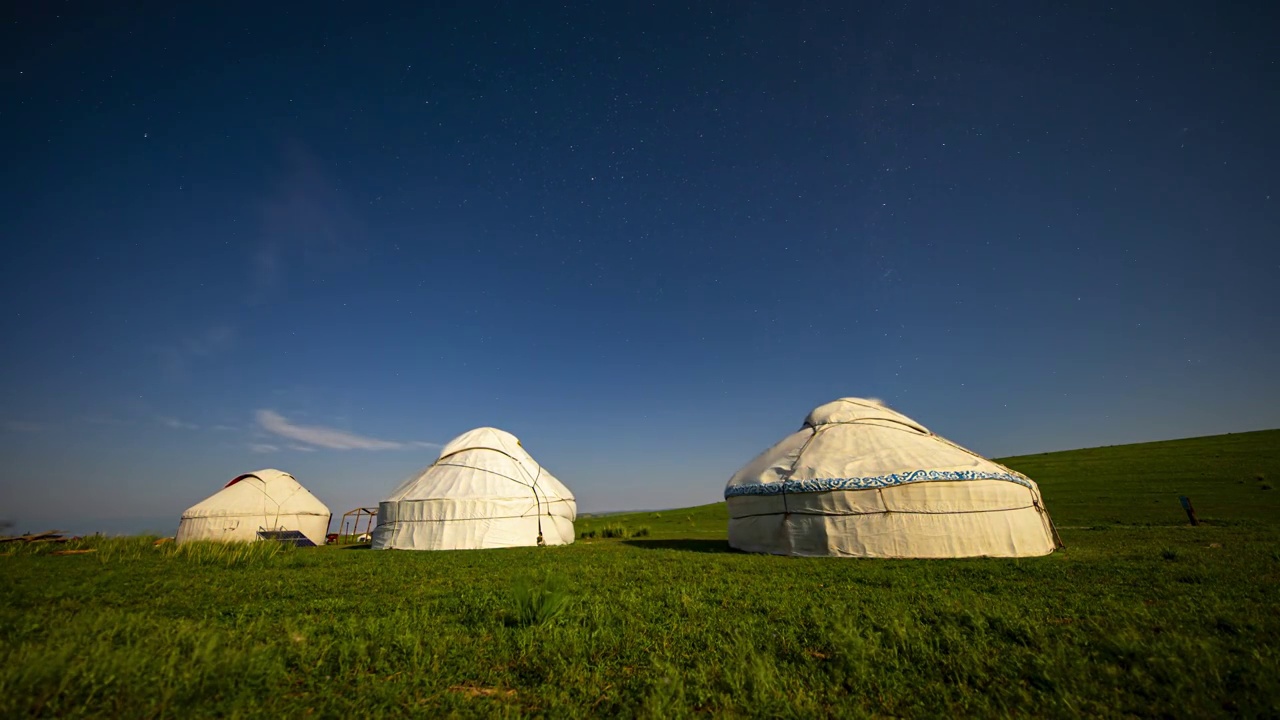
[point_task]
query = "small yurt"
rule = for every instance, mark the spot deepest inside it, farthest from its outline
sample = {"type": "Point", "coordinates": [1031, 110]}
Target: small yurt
{"type": "Point", "coordinates": [860, 480]}
{"type": "Point", "coordinates": [484, 491]}
{"type": "Point", "coordinates": [261, 501]}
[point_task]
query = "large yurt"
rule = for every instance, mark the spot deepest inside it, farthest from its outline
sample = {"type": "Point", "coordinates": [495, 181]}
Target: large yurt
{"type": "Point", "coordinates": [484, 491]}
{"type": "Point", "coordinates": [265, 501]}
{"type": "Point", "coordinates": [861, 480]}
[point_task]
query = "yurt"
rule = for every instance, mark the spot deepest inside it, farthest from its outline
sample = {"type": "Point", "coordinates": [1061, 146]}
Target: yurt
{"type": "Point", "coordinates": [484, 491]}
{"type": "Point", "coordinates": [860, 480]}
{"type": "Point", "coordinates": [268, 501]}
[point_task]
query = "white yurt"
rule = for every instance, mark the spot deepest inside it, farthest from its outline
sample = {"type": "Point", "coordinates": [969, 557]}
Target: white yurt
{"type": "Point", "coordinates": [860, 480]}
{"type": "Point", "coordinates": [265, 500]}
{"type": "Point", "coordinates": [484, 491]}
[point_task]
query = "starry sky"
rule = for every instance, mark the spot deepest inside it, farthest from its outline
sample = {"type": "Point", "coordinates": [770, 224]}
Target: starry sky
{"type": "Point", "coordinates": [646, 238]}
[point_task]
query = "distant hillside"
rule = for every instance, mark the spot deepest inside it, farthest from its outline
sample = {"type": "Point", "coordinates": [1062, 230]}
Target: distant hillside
{"type": "Point", "coordinates": [1226, 476]}
{"type": "Point", "coordinates": [1229, 479]}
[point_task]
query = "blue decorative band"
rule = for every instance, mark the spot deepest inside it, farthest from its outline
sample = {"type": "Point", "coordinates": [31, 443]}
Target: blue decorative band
{"type": "Point", "coordinates": [868, 483]}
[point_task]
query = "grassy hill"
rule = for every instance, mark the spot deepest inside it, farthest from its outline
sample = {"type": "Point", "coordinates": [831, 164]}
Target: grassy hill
{"type": "Point", "coordinates": [1140, 614]}
{"type": "Point", "coordinates": [1229, 479]}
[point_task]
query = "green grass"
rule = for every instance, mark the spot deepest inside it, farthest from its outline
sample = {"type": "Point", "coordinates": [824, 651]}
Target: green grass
{"type": "Point", "coordinates": [1141, 614]}
{"type": "Point", "coordinates": [589, 529]}
{"type": "Point", "coordinates": [538, 601]}
{"type": "Point", "coordinates": [1140, 484]}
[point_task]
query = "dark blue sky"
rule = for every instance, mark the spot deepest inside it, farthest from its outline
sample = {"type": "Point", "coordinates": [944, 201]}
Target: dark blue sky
{"type": "Point", "coordinates": [646, 239]}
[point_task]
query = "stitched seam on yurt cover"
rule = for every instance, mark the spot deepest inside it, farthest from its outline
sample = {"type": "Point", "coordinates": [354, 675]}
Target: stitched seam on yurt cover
{"type": "Point", "coordinates": [485, 470]}
{"type": "Point", "coordinates": [519, 463]}
{"type": "Point", "coordinates": [486, 518]}
{"type": "Point", "coordinates": [482, 498]}
{"type": "Point", "coordinates": [815, 513]}
{"type": "Point", "coordinates": [813, 435]}
{"type": "Point", "coordinates": [914, 428]}
{"type": "Point", "coordinates": [869, 483]}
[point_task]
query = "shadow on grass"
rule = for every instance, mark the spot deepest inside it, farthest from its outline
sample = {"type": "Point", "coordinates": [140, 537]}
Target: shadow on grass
{"type": "Point", "coordinates": [361, 546]}
{"type": "Point", "coordinates": [687, 545]}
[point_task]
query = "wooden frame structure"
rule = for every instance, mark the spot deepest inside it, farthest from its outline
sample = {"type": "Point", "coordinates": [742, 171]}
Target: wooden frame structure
{"type": "Point", "coordinates": [350, 529]}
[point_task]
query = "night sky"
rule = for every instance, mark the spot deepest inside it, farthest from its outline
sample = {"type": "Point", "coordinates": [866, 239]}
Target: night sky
{"type": "Point", "coordinates": [645, 238]}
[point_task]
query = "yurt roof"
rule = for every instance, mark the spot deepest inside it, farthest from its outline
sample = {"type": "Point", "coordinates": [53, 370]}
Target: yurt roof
{"type": "Point", "coordinates": [262, 491]}
{"type": "Point", "coordinates": [482, 462]}
{"type": "Point", "coordinates": [855, 444]}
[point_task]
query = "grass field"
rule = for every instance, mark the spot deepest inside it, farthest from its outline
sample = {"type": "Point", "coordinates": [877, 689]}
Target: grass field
{"type": "Point", "coordinates": [1140, 614]}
